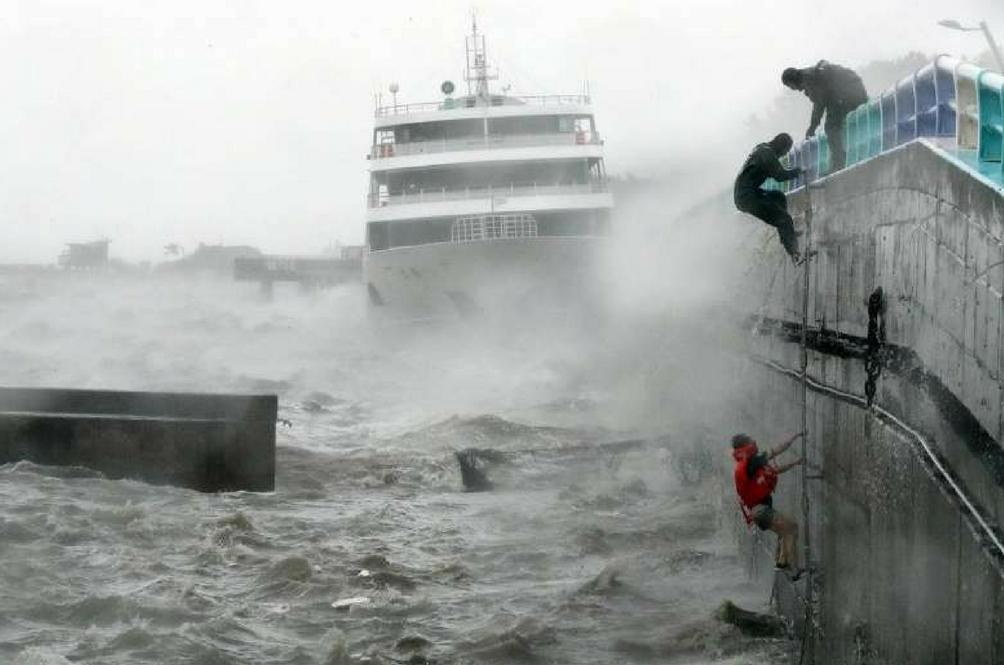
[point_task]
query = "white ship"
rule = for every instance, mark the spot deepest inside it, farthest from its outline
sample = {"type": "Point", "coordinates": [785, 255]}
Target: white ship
{"type": "Point", "coordinates": [485, 202]}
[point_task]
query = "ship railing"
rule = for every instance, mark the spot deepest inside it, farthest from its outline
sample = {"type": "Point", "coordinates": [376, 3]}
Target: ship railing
{"type": "Point", "coordinates": [386, 150]}
{"type": "Point", "coordinates": [473, 193]}
{"type": "Point", "coordinates": [470, 102]}
{"type": "Point", "coordinates": [949, 101]}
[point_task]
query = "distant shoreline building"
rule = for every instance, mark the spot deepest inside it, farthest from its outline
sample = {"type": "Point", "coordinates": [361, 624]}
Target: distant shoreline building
{"type": "Point", "coordinates": [85, 255]}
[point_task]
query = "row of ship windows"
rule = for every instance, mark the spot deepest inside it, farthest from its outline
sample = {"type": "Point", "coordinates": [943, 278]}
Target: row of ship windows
{"type": "Point", "coordinates": [388, 235]}
{"type": "Point", "coordinates": [478, 127]}
{"type": "Point", "coordinates": [479, 176]}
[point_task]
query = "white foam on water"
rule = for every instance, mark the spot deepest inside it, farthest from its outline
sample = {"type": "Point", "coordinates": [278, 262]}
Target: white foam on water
{"type": "Point", "coordinates": [368, 484]}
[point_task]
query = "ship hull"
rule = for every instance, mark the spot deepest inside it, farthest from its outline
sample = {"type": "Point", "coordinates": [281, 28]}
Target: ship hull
{"type": "Point", "coordinates": [555, 276]}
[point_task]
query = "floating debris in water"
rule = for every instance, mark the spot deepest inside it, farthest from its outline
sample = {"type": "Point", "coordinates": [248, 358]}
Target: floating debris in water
{"type": "Point", "coordinates": [751, 623]}
{"type": "Point", "coordinates": [346, 603]}
{"type": "Point", "coordinates": [474, 464]}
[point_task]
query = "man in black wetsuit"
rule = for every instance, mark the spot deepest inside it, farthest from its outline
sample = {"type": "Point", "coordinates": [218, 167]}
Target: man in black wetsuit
{"type": "Point", "coordinates": [769, 206]}
{"type": "Point", "coordinates": [833, 90]}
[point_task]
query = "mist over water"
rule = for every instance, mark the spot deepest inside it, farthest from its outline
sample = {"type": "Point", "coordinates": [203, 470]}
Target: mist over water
{"type": "Point", "coordinates": [583, 553]}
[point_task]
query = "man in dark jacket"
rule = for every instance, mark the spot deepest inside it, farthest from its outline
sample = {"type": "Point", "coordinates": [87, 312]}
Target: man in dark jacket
{"type": "Point", "coordinates": [833, 90]}
{"type": "Point", "coordinates": [769, 206]}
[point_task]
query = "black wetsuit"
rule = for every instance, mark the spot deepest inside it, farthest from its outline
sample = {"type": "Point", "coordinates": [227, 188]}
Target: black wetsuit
{"type": "Point", "coordinates": [769, 206]}
{"type": "Point", "coordinates": [836, 91]}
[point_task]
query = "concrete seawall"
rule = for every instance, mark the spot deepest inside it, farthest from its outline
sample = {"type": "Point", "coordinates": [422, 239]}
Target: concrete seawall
{"type": "Point", "coordinates": [205, 442]}
{"type": "Point", "coordinates": [907, 494]}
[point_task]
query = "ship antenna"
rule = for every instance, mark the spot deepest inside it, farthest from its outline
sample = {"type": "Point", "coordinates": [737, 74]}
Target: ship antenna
{"type": "Point", "coordinates": [477, 64]}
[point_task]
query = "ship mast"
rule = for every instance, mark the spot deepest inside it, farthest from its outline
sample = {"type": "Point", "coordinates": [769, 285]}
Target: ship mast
{"type": "Point", "coordinates": [477, 65]}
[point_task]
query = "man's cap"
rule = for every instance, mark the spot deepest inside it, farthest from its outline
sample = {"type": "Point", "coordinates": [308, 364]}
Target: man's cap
{"type": "Point", "coordinates": [791, 76]}
{"type": "Point", "coordinates": [740, 440]}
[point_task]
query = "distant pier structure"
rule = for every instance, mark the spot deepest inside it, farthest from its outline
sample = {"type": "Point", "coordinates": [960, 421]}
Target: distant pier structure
{"type": "Point", "coordinates": [310, 272]}
{"type": "Point", "coordinates": [85, 255]}
{"type": "Point", "coordinates": [205, 442]}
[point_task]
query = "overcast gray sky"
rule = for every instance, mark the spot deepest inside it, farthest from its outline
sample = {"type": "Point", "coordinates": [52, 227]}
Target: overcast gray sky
{"type": "Point", "coordinates": [247, 121]}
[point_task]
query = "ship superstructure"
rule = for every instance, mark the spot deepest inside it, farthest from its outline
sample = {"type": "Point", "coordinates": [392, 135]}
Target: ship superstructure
{"type": "Point", "coordinates": [479, 194]}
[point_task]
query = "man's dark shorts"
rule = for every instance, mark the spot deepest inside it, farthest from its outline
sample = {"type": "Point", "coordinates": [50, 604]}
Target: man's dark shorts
{"type": "Point", "coordinates": [763, 516]}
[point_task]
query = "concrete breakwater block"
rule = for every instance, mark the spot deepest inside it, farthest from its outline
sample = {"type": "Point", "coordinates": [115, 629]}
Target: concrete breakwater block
{"type": "Point", "coordinates": [206, 442]}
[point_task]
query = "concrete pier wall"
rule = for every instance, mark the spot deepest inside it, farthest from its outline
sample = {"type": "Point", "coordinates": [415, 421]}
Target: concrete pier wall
{"type": "Point", "coordinates": [907, 501]}
{"type": "Point", "coordinates": [205, 442]}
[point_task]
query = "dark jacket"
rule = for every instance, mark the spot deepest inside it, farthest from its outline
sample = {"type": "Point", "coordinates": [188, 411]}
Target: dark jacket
{"type": "Point", "coordinates": [833, 89]}
{"type": "Point", "coordinates": [760, 165]}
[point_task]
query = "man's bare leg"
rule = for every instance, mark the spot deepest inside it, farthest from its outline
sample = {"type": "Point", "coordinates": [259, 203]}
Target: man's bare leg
{"type": "Point", "coordinates": [787, 532]}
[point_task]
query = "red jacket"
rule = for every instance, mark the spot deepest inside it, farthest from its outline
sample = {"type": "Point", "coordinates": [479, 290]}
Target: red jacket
{"type": "Point", "coordinates": [755, 489]}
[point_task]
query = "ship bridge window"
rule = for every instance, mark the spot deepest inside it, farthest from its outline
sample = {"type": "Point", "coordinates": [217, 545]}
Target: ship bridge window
{"type": "Point", "coordinates": [437, 131]}
{"type": "Point", "coordinates": [542, 124]}
{"type": "Point", "coordinates": [499, 175]}
{"type": "Point", "coordinates": [474, 129]}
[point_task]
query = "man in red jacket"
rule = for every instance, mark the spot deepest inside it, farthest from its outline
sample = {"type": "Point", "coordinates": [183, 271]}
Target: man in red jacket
{"type": "Point", "coordinates": [756, 477]}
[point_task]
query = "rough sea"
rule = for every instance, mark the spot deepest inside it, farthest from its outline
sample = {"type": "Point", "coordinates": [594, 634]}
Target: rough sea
{"type": "Point", "coordinates": [604, 540]}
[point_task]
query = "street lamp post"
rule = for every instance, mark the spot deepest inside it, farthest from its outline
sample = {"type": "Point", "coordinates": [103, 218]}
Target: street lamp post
{"type": "Point", "coordinates": [955, 25]}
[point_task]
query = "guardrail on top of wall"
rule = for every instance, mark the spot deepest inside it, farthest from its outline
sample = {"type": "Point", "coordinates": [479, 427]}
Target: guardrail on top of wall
{"type": "Point", "coordinates": [947, 99]}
